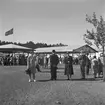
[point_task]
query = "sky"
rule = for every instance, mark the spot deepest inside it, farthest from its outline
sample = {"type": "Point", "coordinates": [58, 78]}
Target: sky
{"type": "Point", "coordinates": [48, 21]}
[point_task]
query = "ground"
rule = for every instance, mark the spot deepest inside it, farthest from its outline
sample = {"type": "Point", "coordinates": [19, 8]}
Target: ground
{"type": "Point", "coordinates": [16, 90]}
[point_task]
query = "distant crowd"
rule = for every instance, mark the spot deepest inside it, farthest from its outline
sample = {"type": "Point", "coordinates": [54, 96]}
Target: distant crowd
{"type": "Point", "coordinates": [85, 61]}
{"type": "Point", "coordinates": [21, 59]}
{"type": "Point", "coordinates": [9, 60]}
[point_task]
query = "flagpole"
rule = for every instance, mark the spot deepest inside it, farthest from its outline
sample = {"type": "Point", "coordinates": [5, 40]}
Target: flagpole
{"type": "Point", "coordinates": [13, 36]}
{"type": "Point", "coordinates": [13, 44]}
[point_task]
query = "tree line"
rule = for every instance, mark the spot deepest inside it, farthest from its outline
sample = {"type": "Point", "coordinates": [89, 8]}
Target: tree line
{"type": "Point", "coordinates": [32, 45]}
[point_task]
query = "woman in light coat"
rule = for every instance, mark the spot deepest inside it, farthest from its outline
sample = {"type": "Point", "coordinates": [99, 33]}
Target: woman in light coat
{"type": "Point", "coordinates": [31, 65]}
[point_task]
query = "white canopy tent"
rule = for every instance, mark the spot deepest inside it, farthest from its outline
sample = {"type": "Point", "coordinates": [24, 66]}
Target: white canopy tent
{"type": "Point", "coordinates": [14, 48]}
{"type": "Point", "coordinates": [64, 49]}
{"type": "Point", "coordinates": [61, 49]}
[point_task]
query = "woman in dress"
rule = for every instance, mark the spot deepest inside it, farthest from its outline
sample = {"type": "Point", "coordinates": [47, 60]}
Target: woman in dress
{"type": "Point", "coordinates": [68, 66]}
{"type": "Point", "coordinates": [31, 65]}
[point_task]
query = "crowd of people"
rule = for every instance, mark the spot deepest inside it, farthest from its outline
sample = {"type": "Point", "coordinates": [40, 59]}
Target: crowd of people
{"type": "Point", "coordinates": [36, 62]}
{"type": "Point", "coordinates": [90, 63]}
{"type": "Point", "coordinates": [21, 59]}
{"type": "Point", "coordinates": [86, 63]}
{"type": "Point", "coordinates": [12, 59]}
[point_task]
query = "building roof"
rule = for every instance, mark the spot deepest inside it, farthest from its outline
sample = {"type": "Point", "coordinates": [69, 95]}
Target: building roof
{"type": "Point", "coordinates": [85, 48]}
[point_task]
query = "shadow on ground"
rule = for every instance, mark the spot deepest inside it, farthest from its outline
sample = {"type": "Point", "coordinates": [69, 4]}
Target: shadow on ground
{"type": "Point", "coordinates": [79, 79]}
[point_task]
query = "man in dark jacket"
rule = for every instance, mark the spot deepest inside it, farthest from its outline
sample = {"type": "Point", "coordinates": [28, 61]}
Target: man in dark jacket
{"type": "Point", "coordinates": [54, 60]}
{"type": "Point", "coordinates": [88, 64]}
{"type": "Point", "coordinates": [82, 61]}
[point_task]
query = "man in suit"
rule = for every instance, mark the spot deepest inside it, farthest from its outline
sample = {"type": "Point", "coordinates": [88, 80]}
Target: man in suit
{"type": "Point", "coordinates": [82, 60]}
{"type": "Point", "coordinates": [54, 60]}
{"type": "Point", "coordinates": [88, 63]}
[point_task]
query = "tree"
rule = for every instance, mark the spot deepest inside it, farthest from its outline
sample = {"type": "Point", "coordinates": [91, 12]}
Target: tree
{"type": "Point", "coordinates": [31, 44]}
{"type": "Point", "coordinates": [96, 35]}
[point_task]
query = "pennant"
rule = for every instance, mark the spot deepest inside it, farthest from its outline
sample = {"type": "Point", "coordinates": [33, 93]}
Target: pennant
{"type": "Point", "coordinates": [10, 32]}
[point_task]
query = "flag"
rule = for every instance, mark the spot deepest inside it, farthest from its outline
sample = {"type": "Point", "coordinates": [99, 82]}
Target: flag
{"type": "Point", "coordinates": [9, 32]}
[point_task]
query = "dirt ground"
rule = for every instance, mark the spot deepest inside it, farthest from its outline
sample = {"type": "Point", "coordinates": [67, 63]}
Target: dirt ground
{"type": "Point", "coordinates": [16, 90]}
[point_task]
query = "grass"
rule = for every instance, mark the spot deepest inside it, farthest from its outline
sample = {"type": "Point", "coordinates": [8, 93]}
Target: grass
{"type": "Point", "coordinates": [15, 89]}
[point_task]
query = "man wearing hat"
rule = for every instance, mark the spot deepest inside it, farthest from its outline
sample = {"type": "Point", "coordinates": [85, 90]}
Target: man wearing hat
{"type": "Point", "coordinates": [82, 61]}
{"type": "Point", "coordinates": [54, 60]}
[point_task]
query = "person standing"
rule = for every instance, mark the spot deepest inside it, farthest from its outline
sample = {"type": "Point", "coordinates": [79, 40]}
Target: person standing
{"type": "Point", "coordinates": [101, 58]}
{"type": "Point", "coordinates": [68, 60]}
{"type": "Point", "coordinates": [54, 60]}
{"type": "Point", "coordinates": [31, 65]}
{"type": "Point", "coordinates": [100, 67]}
{"type": "Point", "coordinates": [37, 63]}
{"type": "Point", "coordinates": [46, 61]}
{"type": "Point", "coordinates": [88, 63]}
{"type": "Point", "coordinates": [95, 66]}
{"type": "Point", "coordinates": [82, 61]}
